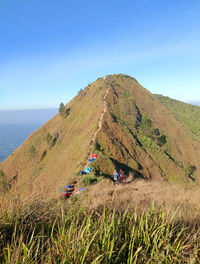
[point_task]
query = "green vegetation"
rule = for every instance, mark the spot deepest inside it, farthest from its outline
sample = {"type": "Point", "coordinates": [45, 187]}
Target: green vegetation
{"type": "Point", "coordinates": [145, 128]}
{"type": "Point", "coordinates": [187, 114]}
{"type": "Point", "coordinates": [89, 179]}
{"type": "Point", "coordinates": [44, 153]}
{"type": "Point", "coordinates": [80, 90]}
{"type": "Point", "coordinates": [100, 236]}
{"type": "Point", "coordinates": [190, 170]}
{"type": "Point", "coordinates": [52, 139]}
{"type": "Point", "coordinates": [162, 140]}
{"type": "Point", "coordinates": [32, 150]}
{"type": "Point", "coordinates": [48, 138]}
{"type": "Point", "coordinates": [94, 177]}
{"type": "Point", "coordinates": [4, 186]}
{"type": "Point", "coordinates": [62, 109]}
{"type": "Point", "coordinates": [64, 112]}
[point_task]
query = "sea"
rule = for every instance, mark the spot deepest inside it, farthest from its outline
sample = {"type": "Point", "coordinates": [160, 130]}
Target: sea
{"type": "Point", "coordinates": [12, 136]}
{"type": "Point", "coordinates": [17, 125]}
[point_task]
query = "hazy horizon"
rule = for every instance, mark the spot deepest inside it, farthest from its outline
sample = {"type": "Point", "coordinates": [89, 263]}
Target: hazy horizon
{"type": "Point", "coordinates": [26, 116]}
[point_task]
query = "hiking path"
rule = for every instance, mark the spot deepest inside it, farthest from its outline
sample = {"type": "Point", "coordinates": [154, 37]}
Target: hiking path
{"type": "Point", "coordinates": [99, 125]}
{"type": "Point", "coordinates": [76, 188]}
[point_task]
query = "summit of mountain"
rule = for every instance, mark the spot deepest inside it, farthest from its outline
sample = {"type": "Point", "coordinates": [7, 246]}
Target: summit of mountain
{"type": "Point", "coordinates": [146, 135]}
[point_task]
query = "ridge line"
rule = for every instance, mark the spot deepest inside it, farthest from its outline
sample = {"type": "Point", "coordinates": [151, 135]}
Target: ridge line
{"type": "Point", "coordinates": [99, 125]}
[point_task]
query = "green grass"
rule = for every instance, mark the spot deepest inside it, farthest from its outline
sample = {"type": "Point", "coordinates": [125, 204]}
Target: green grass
{"type": "Point", "coordinates": [89, 179]}
{"type": "Point", "coordinates": [101, 236]}
{"type": "Point", "coordinates": [187, 114]}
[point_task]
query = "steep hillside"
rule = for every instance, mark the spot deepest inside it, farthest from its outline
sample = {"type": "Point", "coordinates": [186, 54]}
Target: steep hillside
{"type": "Point", "coordinates": [141, 135]}
{"type": "Point", "coordinates": [187, 114]}
{"type": "Point", "coordinates": [53, 155]}
{"type": "Point", "coordinates": [120, 120]}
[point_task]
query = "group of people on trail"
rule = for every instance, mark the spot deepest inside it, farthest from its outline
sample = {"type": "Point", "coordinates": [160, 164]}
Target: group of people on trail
{"type": "Point", "coordinates": [88, 169]}
{"type": "Point", "coordinates": [68, 190]}
{"type": "Point", "coordinates": [119, 178]}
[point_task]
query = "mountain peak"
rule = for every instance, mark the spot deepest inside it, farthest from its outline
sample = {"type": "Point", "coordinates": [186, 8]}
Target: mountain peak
{"type": "Point", "coordinates": [115, 117]}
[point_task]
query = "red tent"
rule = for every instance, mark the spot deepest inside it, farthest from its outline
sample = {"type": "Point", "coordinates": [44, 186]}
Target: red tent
{"type": "Point", "coordinates": [94, 155]}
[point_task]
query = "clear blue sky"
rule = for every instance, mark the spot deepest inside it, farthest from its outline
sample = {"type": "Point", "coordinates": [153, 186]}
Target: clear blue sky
{"type": "Point", "coordinates": [50, 49]}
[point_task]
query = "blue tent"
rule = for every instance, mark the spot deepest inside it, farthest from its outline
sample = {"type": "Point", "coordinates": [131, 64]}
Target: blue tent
{"type": "Point", "coordinates": [91, 159]}
{"type": "Point", "coordinates": [88, 170]}
{"type": "Point", "coordinates": [66, 186]}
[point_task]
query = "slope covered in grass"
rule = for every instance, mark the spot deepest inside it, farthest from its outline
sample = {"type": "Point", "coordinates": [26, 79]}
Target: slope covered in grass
{"type": "Point", "coordinates": [141, 136]}
{"type": "Point", "coordinates": [99, 236]}
{"type": "Point", "coordinates": [187, 114]}
{"type": "Point", "coordinates": [132, 130]}
{"type": "Point", "coordinates": [51, 157]}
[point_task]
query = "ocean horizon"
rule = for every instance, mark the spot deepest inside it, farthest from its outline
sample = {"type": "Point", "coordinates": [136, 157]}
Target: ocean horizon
{"type": "Point", "coordinates": [12, 136]}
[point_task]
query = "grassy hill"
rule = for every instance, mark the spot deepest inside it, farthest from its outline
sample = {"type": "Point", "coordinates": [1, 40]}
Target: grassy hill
{"type": "Point", "coordinates": [58, 150]}
{"type": "Point", "coordinates": [188, 115]}
{"type": "Point", "coordinates": [141, 133]}
{"type": "Point", "coordinates": [153, 138]}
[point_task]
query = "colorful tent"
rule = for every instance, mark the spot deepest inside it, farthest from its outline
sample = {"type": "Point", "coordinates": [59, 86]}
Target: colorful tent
{"type": "Point", "coordinates": [88, 170]}
{"type": "Point", "coordinates": [66, 186]}
{"type": "Point", "coordinates": [91, 159]}
{"type": "Point", "coordinates": [79, 190]}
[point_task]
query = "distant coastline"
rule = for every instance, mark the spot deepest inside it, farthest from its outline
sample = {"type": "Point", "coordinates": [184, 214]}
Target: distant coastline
{"type": "Point", "coordinates": [17, 125]}
{"type": "Point", "coordinates": [12, 136]}
{"type": "Point", "coordinates": [194, 103]}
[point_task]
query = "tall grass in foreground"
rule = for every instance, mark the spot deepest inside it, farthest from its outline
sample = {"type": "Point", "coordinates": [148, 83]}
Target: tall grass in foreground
{"type": "Point", "coordinates": [101, 236]}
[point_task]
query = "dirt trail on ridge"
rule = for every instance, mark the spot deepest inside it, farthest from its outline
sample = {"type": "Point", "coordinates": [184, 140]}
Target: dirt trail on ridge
{"type": "Point", "coordinates": [99, 126]}
{"type": "Point", "coordinates": [95, 135]}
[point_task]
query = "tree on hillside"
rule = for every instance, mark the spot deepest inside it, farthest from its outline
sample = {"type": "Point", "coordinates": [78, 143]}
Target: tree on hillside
{"type": "Point", "coordinates": [190, 170]}
{"type": "Point", "coordinates": [48, 138]}
{"type": "Point", "coordinates": [62, 109]}
{"type": "Point", "coordinates": [32, 150]}
{"type": "Point", "coordinates": [161, 140]}
{"type": "Point", "coordinates": [79, 91]}
{"type": "Point", "coordinates": [3, 183]}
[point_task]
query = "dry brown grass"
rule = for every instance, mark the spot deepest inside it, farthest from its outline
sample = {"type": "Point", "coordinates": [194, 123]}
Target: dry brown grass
{"type": "Point", "coordinates": [64, 159]}
{"type": "Point", "coordinates": [184, 199]}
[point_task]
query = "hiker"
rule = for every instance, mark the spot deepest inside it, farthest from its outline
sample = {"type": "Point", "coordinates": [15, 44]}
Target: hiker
{"type": "Point", "coordinates": [116, 177]}
{"type": "Point", "coordinates": [121, 176]}
{"type": "Point", "coordinates": [82, 172]}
